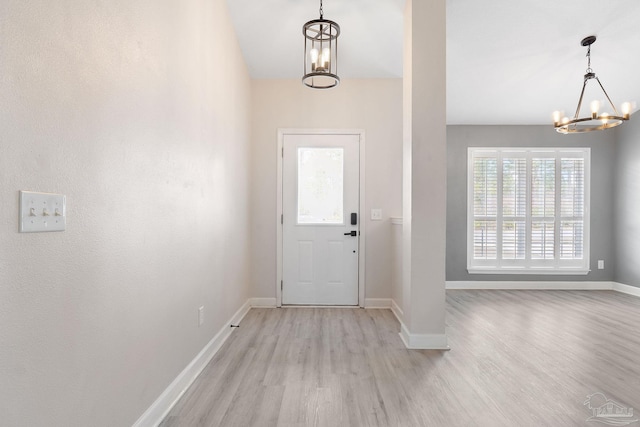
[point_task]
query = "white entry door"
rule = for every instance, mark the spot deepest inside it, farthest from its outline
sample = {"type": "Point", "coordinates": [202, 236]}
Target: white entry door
{"type": "Point", "coordinates": [320, 199]}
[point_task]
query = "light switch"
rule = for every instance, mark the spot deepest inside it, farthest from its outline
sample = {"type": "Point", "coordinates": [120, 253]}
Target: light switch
{"type": "Point", "coordinates": [376, 214]}
{"type": "Point", "coordinates": [42, 212]}
{"type": "Point", "coordinates": [600, 264]}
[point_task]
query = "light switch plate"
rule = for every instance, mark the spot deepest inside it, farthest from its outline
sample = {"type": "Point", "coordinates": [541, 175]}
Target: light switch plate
{"type": "Point", "coordinates": [40, 212]}
{"type": "Point", "coordinates": [376, 214]}
{"type": "Point", "coordinates": [600, 264]}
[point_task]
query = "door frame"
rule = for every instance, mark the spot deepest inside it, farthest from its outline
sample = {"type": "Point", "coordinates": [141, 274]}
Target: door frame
{"type": "Point", "coordinates": [361, 208]}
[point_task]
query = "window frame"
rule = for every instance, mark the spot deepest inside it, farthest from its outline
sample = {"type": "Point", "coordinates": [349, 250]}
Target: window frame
{"type": "Point", "coordinates": [555, 266]}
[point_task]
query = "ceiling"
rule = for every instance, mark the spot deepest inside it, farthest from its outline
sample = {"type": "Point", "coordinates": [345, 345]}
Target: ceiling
{"type": "Point", "coordinates": [508, 62]}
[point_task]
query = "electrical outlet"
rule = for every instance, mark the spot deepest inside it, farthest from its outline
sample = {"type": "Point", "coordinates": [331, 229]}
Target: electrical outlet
{"type": "Point", "coordinates": [201, 316]}
{"type": "Point", "coordinates": [600, 264]}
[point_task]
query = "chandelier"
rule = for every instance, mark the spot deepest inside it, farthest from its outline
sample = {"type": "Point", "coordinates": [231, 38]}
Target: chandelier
{"type": "Point", "coordinates": [596, 120]}
{"type": "Point", "coordinates": [321, 53]}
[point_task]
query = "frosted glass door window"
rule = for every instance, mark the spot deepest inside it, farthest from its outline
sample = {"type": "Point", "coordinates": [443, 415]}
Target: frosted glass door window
{"type": "Point", "coordinates": [320, 185]}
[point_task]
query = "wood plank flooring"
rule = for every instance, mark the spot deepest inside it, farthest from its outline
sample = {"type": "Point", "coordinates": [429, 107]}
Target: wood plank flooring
{"type": "Point", "coordinates": [525, 358]}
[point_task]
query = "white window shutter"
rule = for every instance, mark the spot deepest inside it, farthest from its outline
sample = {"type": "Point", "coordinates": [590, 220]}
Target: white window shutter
{"type": "Point", "coordinates": [528, 210]}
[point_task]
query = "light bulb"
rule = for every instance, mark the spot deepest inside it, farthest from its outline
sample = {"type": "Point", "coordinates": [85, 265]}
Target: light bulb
{"type": "Point", "coordinates": [595, 106]}
{"type": "Point", "coordinates": [565, 120]}
{"type": "Point", "coordinates": [605, 117]}
{"type": "Point", "coordinates": [556, 117]}
{"type": "Point", "coordinates": [313, 54]}
{"type": "Point", "coordinates": [626, 109]}
{"type": "Point", "coordinates": [326, 57]}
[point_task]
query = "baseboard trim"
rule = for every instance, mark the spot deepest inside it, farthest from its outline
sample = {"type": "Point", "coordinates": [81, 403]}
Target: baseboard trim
{"type": "Point", "coordinates": [559, 286]}
{"type": "Point", "coordinates": [377, 303]}
{"type": "Point", "coordinates": [626, 289]}
{"type": "Point", "coordinates": [263, 302]}
{"type": "Point", "coordinates": [418, 341]}
{"type": "Point", "coordinates": [524, 285]}
{"type": "Point", "coordinates": [397, 311]}
{"type": "Point", "coordinates": [423, 341]}
{"type": "Point", "coordinates": [163, 404]}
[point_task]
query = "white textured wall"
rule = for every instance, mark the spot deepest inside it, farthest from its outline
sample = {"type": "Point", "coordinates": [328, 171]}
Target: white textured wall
{"type": "Point", "coordinates": [138, 111]}
{"type": "Point", "coordinates": [407, 152]}
{"type": "Point", "coordinates": [374, 105]}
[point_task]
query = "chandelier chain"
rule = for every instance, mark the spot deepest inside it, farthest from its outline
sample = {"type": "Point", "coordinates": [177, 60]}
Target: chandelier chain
{"type": "Point", "coordinates": [321, 10]}
{"type": "Point", "coordinates": [589, 70]}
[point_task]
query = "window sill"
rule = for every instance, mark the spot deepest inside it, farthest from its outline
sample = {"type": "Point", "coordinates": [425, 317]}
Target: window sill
{"type": "Point", "coordinates": [532, 271]}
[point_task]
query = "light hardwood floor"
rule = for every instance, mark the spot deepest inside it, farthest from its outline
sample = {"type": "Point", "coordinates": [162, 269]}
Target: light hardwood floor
{"type": "Point", "coordinates": [518, 358]}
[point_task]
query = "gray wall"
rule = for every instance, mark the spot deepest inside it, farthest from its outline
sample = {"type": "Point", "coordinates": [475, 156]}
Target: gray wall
{"type": "Point", "coordinates": [603, 150]}
{"type": "Point", "coordinates": [627, 204]}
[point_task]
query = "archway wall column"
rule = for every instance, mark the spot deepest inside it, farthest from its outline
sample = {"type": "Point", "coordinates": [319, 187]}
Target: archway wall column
{"type": "Point", "coordinates": [424, 175]}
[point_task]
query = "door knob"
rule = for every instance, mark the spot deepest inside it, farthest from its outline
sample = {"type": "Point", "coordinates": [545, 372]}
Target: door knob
{"type": "Point", "coordinates": [353, 233]}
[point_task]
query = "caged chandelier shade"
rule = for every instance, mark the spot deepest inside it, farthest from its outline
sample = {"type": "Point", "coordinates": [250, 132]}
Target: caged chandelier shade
{"type": "Point", "coordinates": [321, 53]}
{"type": "Point", "coordinates": [596, 120]}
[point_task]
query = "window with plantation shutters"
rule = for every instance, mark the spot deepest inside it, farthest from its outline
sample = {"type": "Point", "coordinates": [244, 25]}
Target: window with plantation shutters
{"type": "Point", "coordinates": [528, 210]}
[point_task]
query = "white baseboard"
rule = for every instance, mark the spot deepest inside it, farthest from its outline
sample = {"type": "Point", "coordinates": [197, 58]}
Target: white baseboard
{"type": "Point", "coordinates": [418, 341]}
{"type": "Point", "coordinates": [561, 286]}
{"type": "Point", "coordinates": [263, 302]}
{"type": "Point", "coordinates": [397, 311]}
{"type": "Point", "coordinates": [163, 404]}
{"type": "Point", "coordinates": [377, 303]}
{"type": "Point", "coordinates": [543, 285]}
{"type": "Point", "coordinates": [423, 341]}
{"type": "Point", "coordinates": [626, 289]}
